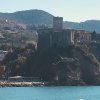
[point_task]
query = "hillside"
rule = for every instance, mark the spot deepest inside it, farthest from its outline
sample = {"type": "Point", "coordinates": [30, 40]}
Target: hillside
{"type": "Point", "coordinates": [42, 17]}
{"type": "Point", "coordinates": [89, 25]}
{"type": "Point", "coordinates": [29, 17]}
{"type": "Point", "coordinates": [63, 66]}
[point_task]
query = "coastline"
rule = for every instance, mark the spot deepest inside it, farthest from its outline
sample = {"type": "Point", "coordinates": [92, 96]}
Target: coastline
{"type": "Point", "coordinates": [32, 84]}
{"type": "Point", "coordinates": [21, 84]}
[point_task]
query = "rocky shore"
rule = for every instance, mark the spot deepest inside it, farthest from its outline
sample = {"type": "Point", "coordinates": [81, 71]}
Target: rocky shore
{"type": "Point", "coordinates": [21, 84]}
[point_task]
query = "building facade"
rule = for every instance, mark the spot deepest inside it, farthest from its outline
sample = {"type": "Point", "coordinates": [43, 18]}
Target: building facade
{"type": "Point", "coordinates": [48, 38]}
{"type": "Point", "coordinates": [62, 38]}
{"type": "Point", "coordinates": [57, 23]}
{"type": "Point", "coordinates": [82, 36]}
{"type": "Point", "coordinates": [44, 39]}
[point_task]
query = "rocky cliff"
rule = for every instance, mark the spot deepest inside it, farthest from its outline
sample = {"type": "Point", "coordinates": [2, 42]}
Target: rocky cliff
{"type": "Point", "coordinates": [72, 65]}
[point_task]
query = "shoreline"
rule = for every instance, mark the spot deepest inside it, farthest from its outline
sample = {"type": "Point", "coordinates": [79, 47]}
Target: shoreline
{"type": "Point", "coordinates": [21, 84]}
{"type": "Point", "coordinates": [32, 84]}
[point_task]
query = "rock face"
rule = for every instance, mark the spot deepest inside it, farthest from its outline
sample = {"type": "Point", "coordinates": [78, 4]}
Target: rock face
{"type": "Point", "coordinates": [68, 72]}
{"type": "Point", "coordinates": [82, 69]}
{"type": "Point", "coordinates": [89, 65]}
{"type": "Point", "coordinates": [72, 65]}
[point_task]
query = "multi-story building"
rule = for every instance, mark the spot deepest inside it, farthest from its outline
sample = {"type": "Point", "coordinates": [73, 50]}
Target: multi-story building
{"type": "Point", "coordinates": [48, 38]}
{"type": "Point", "coordinates": [82, 36]}
{"type": "Point", "coordinates": [59, 37]}
{"type": "Point", "coordinates": [62, 38]}
{"type": "Point", "coordinates": [44, 39]}
{"type": "Point", "coordinates": [57, 23]}
{"type": "Point", "coordinates": [55, 37]}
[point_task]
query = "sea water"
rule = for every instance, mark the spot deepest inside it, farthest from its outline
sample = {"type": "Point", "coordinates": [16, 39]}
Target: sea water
{"type": "Point", "coordinates": [50, 93]}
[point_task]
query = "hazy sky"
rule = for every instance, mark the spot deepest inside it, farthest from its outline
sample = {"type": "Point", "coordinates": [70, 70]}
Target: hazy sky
{"type": "Point", "coordinates": [71, 10]}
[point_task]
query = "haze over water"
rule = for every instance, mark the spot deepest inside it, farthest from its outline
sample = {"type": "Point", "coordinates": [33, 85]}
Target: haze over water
{"type": "Point", "coordinates": [50, 93]}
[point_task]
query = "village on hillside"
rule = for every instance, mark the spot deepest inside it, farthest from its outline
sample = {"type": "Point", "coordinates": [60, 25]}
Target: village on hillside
{"type": "Point", "coordinates": [29, 39]}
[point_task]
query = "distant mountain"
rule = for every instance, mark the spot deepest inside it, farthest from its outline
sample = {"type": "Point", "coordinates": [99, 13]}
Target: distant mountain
{"type": "Point", "coordinates": [41, 17]}
{"type": "Point", "coordinates": [89, 25]}
{"type": "Point", "coordinates": [29, 17]}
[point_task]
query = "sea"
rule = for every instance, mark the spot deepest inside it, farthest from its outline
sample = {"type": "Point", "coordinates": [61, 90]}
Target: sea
{"type": "Point", "coordinates": [50, 93]}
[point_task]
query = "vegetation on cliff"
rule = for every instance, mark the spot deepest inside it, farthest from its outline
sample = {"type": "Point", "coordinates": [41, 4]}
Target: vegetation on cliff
{"type": "Point", "coordinates": [63, 66]}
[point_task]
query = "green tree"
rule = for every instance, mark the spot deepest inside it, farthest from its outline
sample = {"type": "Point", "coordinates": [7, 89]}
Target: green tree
{"type": "Point", "coordinates": [93, 35]}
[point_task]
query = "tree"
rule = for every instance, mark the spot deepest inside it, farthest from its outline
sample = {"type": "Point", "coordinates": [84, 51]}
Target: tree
{"type": "Point", "coordinates": [93, 35]}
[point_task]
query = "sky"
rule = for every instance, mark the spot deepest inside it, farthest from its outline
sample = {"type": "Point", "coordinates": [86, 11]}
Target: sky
{"type": "Point", "coordinates": [70, 10]}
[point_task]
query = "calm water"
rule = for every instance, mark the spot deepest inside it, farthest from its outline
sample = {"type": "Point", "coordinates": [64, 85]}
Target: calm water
{"type": "Point", "coordinates": [50, 93]}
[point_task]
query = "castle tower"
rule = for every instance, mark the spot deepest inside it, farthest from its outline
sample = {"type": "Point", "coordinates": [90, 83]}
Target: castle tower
{"type": "Point", "coordinates": [57, 23]}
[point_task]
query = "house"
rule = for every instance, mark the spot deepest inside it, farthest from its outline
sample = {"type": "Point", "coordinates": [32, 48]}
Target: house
{"type": "Point", "coordinates": [82, 36]}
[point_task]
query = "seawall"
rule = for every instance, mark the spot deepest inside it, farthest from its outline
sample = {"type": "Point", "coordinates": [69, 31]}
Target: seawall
{"type": "Point", "coordinates": [21, 84]}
